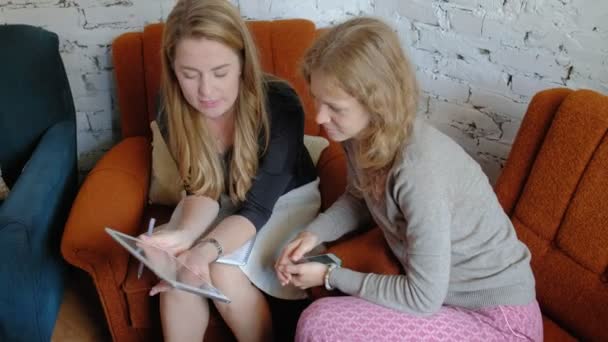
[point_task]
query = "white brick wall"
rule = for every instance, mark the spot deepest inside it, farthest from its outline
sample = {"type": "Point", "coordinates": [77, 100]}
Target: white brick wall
{"type": "Point", "coordinates": [478, 61]}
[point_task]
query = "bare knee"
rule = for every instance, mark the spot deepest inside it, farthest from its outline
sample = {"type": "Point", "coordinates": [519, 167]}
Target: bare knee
{"type": "Point", "coordinates": [232, 282]}
{"type": "Point", "coordinates": [177, 303]}
{"type": "Point", "coordinates": [178, 296]}
{"type": "Point", "coordinates": [246, 297]}
{"type": "Point", "coordinates": [184, 316]}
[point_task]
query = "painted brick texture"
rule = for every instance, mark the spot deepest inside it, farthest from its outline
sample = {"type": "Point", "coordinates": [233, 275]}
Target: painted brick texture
{"type": "Point", "coordinates": [478, 61]}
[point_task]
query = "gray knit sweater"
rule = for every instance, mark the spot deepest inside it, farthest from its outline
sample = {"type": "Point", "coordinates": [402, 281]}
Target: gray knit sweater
{"type": "Point", "coordinates": [443, 222]}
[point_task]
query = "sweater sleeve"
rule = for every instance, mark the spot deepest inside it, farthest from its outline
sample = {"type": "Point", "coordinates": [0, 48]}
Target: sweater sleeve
{"type": "Point", "coordinates": [426, 256]}
{"type": "Point", "coordinates": [348, 213]}
{"type": "Point", "coordinates": [277, 167]}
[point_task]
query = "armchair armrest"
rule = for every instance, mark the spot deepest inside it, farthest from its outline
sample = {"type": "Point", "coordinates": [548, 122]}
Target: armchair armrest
{"type": "Point", "coordinates": [113, 195]}
{"type": "Point", "coordinates": [44, 190]}
{"type": "Point", "coordinates": [32, 273]}
{"type": "Point", "coordinates": [530, 137]}
{"type": "Point", "coordinates": [331, 168]}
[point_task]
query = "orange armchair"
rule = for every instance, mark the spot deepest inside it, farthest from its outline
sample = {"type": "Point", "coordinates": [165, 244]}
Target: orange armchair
{"type": "Point", "coordinates": [555, 188]}
{"type": "Point", "coordinates": [114, 193]}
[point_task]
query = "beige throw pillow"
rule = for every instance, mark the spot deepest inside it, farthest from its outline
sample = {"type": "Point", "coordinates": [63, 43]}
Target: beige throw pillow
{"type": "Point", "coordinates": [315, 146]}
{"type": "Point", "coordinates": [166, 186]}
{"type": "Point", "coordinates": [3, 188]}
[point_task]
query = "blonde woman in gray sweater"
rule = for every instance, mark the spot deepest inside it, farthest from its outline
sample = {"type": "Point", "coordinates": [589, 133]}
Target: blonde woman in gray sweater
{"type": "Point", "coordinates": [466, 274]}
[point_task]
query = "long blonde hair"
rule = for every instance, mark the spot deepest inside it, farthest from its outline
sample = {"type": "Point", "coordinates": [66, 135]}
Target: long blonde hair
{"type": "Point", "coordinates": [190, 141]}
{"type": "Point", "coordinates": [364, 57]}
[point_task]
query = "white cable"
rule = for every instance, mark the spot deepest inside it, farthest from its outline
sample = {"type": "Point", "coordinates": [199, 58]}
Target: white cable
{"type": "Point", "coordinates": [509, 324]}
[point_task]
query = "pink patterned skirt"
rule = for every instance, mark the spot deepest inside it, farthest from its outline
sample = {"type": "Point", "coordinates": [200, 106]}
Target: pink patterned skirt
{"type": "Point", "coordinates": [354, 319]}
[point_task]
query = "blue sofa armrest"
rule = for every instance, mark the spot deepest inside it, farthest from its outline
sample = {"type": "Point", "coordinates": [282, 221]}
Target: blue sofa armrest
{"type": "Point", "coordinates": [50, 172]}
{"type": "Point", "coordinates": [32, 271]}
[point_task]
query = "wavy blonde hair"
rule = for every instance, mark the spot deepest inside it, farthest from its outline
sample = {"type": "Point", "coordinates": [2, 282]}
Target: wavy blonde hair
{"type": "Point", "coordinates": [364, 58]}
{"type": "Point", "coordinates": [190, 141]}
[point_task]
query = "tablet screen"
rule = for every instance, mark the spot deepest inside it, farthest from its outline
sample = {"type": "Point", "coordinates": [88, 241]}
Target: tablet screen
{"type": "Point", "coordinates": [166, 266]}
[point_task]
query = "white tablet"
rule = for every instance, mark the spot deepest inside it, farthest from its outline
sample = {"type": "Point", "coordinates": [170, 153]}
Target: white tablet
{"type": "Point", "coordinates": [167, 267]}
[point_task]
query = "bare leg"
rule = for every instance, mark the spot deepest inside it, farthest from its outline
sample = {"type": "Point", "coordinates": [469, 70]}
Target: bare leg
{"type": "Point", "coordinates": [184, 316]}
{"type": "Point", "coordinates": [248, 315]}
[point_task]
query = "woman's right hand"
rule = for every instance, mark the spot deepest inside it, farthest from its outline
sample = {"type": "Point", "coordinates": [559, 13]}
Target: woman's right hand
{"type": "Point", "coordinates": [193, 268]}
{"type": "Point", "coordinates": [190, 218]}
{"type": "Point", "coordinates": [173, 240]}
{"type": "Point", "coordinates": [293, 252]}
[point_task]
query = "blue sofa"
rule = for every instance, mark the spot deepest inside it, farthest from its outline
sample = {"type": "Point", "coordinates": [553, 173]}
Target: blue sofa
{"type": "Point", "coordinates": [38, 161]}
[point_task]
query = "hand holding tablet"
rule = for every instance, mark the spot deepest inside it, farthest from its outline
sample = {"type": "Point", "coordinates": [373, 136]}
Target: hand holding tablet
{"type": "Point", "coordinates": [167, 267]}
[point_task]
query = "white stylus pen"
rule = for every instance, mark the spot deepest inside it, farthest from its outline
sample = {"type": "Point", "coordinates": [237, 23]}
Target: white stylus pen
{"type": "Point", "coordinates": [149, 233]}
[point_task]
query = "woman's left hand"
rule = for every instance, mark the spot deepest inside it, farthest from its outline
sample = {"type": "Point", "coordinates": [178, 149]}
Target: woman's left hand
{"type": "Point", "coordinates": [305, 275]}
